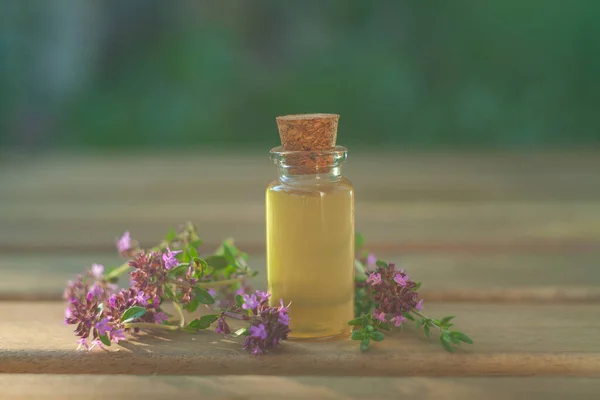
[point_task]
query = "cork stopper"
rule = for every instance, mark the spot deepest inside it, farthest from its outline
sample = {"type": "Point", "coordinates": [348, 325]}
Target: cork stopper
{"type": "Point", "coordinates": [306, 132]}
{"type": "Point", "coordinates": [312, 136]}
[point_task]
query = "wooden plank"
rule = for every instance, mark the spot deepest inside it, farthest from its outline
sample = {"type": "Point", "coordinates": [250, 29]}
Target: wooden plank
{"type": "Point", "coordinates": [65, 387]}
{"type": "Point", "coordinates": [388, 175]}
{"type": "Point", "coordinates": [432, 201]}
{"type": "Point", "coordinates": [572, 277]}
{"type": "Point", "coordinates": [510, 340]}
{"type": "Point", "coordinates": [403, 225]}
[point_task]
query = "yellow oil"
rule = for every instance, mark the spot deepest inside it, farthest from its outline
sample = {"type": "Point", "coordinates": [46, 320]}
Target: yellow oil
{"type": "Point", "coordinates": [310, 255]}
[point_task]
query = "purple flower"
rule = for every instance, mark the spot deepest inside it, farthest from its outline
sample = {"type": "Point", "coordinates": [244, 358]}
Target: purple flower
{"type": "Point", "coordinates": [212, 292]}
{"type": "Point", "coordinates": [250, 302]}
{"type": "Point", "coordinates": [160, 317]}
{"type": "Point", "coordinates": [374, 278]}
{"type": "Point", "coordinates": [169, 258]}
{"type": "Point", "coordinates": [401, 279]}
{"type": "Point", "coordinates": [283, 318]}
{"type": "Point", "coordinates": [112, 301]}
{"type": "Point", "coordinates": [269, 324]}
{"type": "Point", "coordinates": [103, 326]}
{"type": "Point", "coordinates": [398, 320]}
{"type": "Point", "coordinates": [96, 291]}
{"type": "Point", "coordinates": [124, 244]}
{"type": "Point", "coordinates": [262, 296]}
{"type": "Point", "coordinates": [241, 291]}
{"type": "Point", "coordinates": [68, 313]}
{"type": "Point", "coordinates": [419, 305]}
{"type": "Point", "coordinates": [371, 261]}
{"type": "Point", "coordinates": [283, 308]}
{"type": "Point", "coordinates": [396, 294]}
{"type": "Point", "coordinates": [258, 332]}
{"type": "Point", "coordinates": [142, 299]}
{"type": "Point", "coordinates": [82, 343]}
{"type": "Point", "coordinates": [380, 316]}
{"type": "Point", "coordinates": [117, 335]}
{"type": "Point", "coordinates": [97, 271]}
{"type": "Point", "coordinates": [222, 326]}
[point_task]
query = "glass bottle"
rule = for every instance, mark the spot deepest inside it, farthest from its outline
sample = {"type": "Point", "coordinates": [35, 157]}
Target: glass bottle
{"type": "Point", "coordinates": [310, 241]}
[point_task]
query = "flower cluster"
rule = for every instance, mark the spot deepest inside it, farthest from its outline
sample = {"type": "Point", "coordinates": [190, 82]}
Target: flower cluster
{"type": "Point", "coordinates": [172, 271]}
{"type": "Point", "coordinates": [268, 325]}
{"type": "Point", "coordinates": [395, 294]}
{"type": "Point", "coordinates": [153, 272]}
{"type": "Point", "coordinates": [96, 308]}
{"type": "Point", "coordinates": [385, 295]}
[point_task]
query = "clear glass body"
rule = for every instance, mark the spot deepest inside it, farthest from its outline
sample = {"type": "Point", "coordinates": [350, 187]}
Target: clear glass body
{"type": "Point", "coordinates": [310, 243]}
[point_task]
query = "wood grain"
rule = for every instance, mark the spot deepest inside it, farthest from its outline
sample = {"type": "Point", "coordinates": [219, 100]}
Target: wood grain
{"type": "Point", "coordinates": [65, 387]}
{"type": "Point", "coordinates": [404, 202]}
{"type": "Point", "coordinates": [452, 277]}
{"type": "Point", "coordinates": [510, 340]}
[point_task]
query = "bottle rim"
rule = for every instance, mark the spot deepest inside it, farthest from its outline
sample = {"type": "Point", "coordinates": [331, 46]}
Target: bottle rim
{"type": "Point", "coordinates": [334, 156]}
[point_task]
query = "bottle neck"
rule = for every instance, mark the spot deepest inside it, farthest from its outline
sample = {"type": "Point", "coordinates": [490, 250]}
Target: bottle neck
{"type": "Point", "coordinates": [292, 175]}
{"type": "Point", "coordinates": [309, 167]}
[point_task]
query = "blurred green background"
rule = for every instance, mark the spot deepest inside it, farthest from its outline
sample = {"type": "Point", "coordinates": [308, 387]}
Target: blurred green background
{"type": "Point", "coordinates": [412, 74]}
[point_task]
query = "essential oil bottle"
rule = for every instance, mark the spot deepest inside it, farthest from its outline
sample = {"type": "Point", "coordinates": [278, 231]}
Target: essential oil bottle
{"type": "Point", "coordinates": [310, 227]}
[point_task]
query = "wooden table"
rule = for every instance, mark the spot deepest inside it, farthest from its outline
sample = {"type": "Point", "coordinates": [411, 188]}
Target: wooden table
{"type": "Point", "coordinates": [509, 243]}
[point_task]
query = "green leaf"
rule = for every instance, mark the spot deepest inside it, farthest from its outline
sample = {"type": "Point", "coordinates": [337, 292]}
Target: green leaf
{"type": "Point", "coordinates": [203, 296]}
{"type": "Point", "coordinates": [171, 235]}
{"type": "Point", "coordinates": [359, 241]}
{"type": "Point", "coordinates": [192, 252]}
{"type": "Point", "coordinates": [193, 305]}
{"type": "Point", "coordinates": [356, 321]}
{"type": "Point", "coordinates": [241, 332]}
{"type": "Point", "coordinates": [377, 336]}
{"type": "Point", "coordinates": [181, 267]}
{"type": "Point", "coordinates": [364, 344]}
{"type": "Point", "coordinates": [217, 262]}
{"type": "Point", "coordinates": [462, 337]}
{"type": "Point", "coordinates": [229, 251]}
{"type": "Point", "coordinates": [420, 322]}
{"type": "Point", "coordinates": [239, 300]}
{"type": "Point", "coordinates": [357, 335]}
{"type": "Point", "coordinates": [381, 263]}
{"type": "Point", "coordinates": [446, 342]}
{"type": "Point", "coordinates": [454, 339]}
{"type": "Point", "coordinates": [385, 326]}
{"type": "Point", "coordinates": [445, 320]}
{"type": "Point", "coordinates": [168, 292]}
{"type": "Point", "coordinates": [132, 313]}
{"type": "Point", "coordinates": [408, 316]}
{"type": "Point", "coordinates": [99, 309]}
{"type": "Point", "coordinates": [185, 257]}
{"type": "Point", "coordinates": [203, 322]}
{"type": "Point", "coordinates": [105, 340]}
{"type": "Point", "coordinates": [201, 266]}
{"type": "Point", "coordinates": [196, 243]}
{"type": "Point", "coordinates": [426, 329]}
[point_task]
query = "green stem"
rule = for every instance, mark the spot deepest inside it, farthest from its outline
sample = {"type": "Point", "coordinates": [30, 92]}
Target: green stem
{"type": "Point", "coordinates": [149, 325]}
{"type": "Point", "coordinates": [115, 273]}
{"type": "Point", "coordinates": [180, 312]}
{"type": "Point", "coordinates": [420, 314]}
{"type": "Point", "coordinates": [224, 282]}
